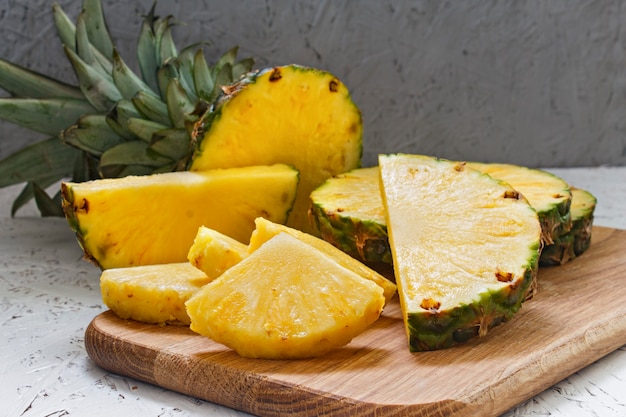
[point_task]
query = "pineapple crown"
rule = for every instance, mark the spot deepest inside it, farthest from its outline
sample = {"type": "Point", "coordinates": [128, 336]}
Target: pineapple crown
{"type": "Point", "coordinates": [115, 122]}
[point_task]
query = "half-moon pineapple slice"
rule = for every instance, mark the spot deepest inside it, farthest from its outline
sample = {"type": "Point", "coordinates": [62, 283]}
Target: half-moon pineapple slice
{"type": "Point", "coordinates": [575, 242]}
{"type": "Point", "coordinates": [286, 300]}
{"type": "Point", "coordinates": [465, 248]}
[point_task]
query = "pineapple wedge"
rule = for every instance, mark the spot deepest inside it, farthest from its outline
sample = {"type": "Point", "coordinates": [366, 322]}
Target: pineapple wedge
{"type": "Point", "coordinates": [142, 220]}
{"type": "Point", "coordinates": [265, 230]}
{"type": "Point", "coordinates": [465, 248]}
{"type": "Point", "coordinates": [151, 293]}
{"type": "Point", "coordinates": [286, 300]}
{"type": "Point", "coordinates": [295, 115]}
{"type": "Point", "coordinates": [575, 242]}
{"type": "Point", "coordinates": [213, 252]}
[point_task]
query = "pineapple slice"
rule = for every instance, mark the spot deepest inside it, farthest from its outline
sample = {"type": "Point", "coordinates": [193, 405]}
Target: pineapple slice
{"type": "Point", "coordinates": [575, 242]}
{"type": "Point", "coordinates": [213, 252]}
{"type": "Point", "coordinates": [291, 114]}
{"type": "Point", "coordinates": [265, 230]}
{"type": "Point", "coordinates": [549, 195]}
{"type": "Point", "coordinates": [348, 212]}
{"type": "Point", "coordinates": [465, 248]}
{"type": "Point", "coordinates": [142, 220]}
{"type": "Point", "coordinates": [151, 293]}
{"type": "Point", "coordinates": [286, 300]}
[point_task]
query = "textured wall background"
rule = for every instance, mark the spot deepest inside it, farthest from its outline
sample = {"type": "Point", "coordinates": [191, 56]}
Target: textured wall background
{"type": "Point", "coordinates": [539, 83]}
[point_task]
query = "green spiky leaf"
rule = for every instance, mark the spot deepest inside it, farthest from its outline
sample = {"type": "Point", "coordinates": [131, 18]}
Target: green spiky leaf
{"type": "Point", "coordinates": [22, 82]}
{"type": "Point", "coordinates": [97, 30]}
{"type": "Point", "coordinates": [45, 115]}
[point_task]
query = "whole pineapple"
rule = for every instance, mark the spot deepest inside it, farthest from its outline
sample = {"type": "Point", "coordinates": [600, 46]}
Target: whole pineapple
{"type": "Point", "coordinates": [114, 123]}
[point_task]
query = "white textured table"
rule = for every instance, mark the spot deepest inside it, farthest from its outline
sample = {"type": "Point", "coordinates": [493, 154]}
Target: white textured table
{"type": "Point", "coordinates": [48, 296]}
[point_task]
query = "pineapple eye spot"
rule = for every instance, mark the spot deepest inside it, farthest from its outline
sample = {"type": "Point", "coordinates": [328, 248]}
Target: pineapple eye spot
{"type": "Point", "coordinates": [275, 75]}
{"type": "Point", "coordinates": [84, 206]}
{"type": "Point", "coordinates": [504, 276]}
{"type": "Point", "coordinates": [512, 194]}
{"type": "Point", "coordinates": [460, 166]}
{"type": "Point", "coordinates": [430, 304]}
{"type": "Point", "coordinates": [557, 195]}
{"type": "Point", "coordinates": [333, 85]}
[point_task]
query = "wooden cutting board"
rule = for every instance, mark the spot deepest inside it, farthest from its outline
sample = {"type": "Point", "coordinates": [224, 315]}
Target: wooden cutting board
{"type": "Point", "coordinates": [577, 316]}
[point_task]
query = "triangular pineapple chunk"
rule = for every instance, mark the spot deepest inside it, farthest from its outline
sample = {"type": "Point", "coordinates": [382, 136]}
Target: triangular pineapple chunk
{"type": "Point", "coordinates": [465, 248]}
{"type": "Point", "coordinates": [286, 300]}
{"type": "Point", "coordinates": [213, 252]}
{"type": "Point", "coordinates": [266, 229]}
{"type": "Point", "coordinates": [151, 293]}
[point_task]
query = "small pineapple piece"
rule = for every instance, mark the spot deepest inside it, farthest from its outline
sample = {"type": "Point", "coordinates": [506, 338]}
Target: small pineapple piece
{"type": "Point", "coordinates": [213, 252]}
{"type": "Point", "coordinates": [286, 300]}
{"type": "Point", "coordinates": [575, 242]}
{"type": "Point", "coordinates": [151, 293]}
{"type": "Point", "coordinates": [465, 248]}
{"type": "Point", "coordinates": [290, 114]}
{"type": "Point", "coordinates": [153, 219]}
{"type": "Point", "coordinates": [266, 229]}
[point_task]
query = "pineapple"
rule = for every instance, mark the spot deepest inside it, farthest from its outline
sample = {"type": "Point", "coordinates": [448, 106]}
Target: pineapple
{"type": "Point", "coordinates": [139, 220]}
{"type": "Point", "coordinates": [213, 252]}
{"type": "Point", "coordinates": [348, 212]}
{"type": "Point", "coordinates": [286, 300]}
{"type": "Point", "coordinates": [549, 195]}
{"type": "Point", "coordinates": [114, 123]}
{"type": "Point", "coordinates": [180, 114]}
{"type": "Point", "coordinates": [291, 114]}
{"type": "Point", "coordinates": [575, 242]}
{"type": "Point", "coordinates": [152, 293]}
{"type": "Point", "coordinates": [266, 229]}
{"type": "Point", "coordinates": [465, 248]}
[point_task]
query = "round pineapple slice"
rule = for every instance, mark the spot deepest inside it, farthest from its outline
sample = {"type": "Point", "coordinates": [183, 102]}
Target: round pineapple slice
{"type": "Point", "coordinates": [153, 294]}
{"type": "Point", "coordinates": [348, 212]}
{"type": "Point", "coordinates": [290, 114]}
{"type": "Point", "coordinates": [286, 300]}
{"type": "Point", "coordinates": [575, 242]}
{"type": "Point", "coordinates": [465, 248]}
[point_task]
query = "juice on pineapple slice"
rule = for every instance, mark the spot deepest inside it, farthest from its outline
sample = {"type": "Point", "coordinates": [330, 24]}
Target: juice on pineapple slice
{"type": "Point", "coordinates": [151, 293]}
{"type": "Point", "coordinates": [286, 300]}
{"type": "Point", "coordinates": [213, 252]}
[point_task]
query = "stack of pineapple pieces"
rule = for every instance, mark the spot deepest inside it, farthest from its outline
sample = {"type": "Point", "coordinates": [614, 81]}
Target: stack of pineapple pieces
{"type": "Point", "coordinates": [287, 294]}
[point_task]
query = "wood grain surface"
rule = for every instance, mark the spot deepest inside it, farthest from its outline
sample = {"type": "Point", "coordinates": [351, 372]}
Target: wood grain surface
{"type": "Point", "coordinates": [577, 316]}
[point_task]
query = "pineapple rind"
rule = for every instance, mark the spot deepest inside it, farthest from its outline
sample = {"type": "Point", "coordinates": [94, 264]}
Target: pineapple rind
{"type": "Point", "coordinates": [448, 278]}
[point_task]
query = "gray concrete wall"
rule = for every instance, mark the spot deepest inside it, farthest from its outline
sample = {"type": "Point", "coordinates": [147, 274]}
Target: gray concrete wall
{"type": "Point", "coordinates": [538, 83]}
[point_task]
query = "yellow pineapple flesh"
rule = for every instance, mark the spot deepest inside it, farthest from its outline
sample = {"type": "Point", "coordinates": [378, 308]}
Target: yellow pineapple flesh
{"type": "Point", "coordinates": [286, 300]}
{"type": "Point", "coordinates": [151, 293]}
{"type": "Point", "coordinates": [153, 219]}
{"type": "Point", "coordinates": [295, 115]}
{"type": "Point", "coordinates": [266, 229]}
{"type": "Point", "coordinates": [213, 252]}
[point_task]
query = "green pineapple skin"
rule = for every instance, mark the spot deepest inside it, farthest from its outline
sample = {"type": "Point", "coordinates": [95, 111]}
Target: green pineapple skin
{"type": "Point", "coordinates": [365, 240]}
{"type": "Point", "coordinates": [457, 326]}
